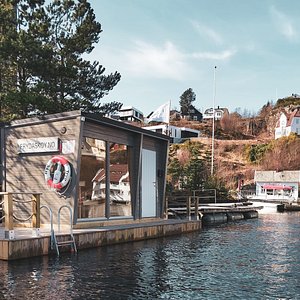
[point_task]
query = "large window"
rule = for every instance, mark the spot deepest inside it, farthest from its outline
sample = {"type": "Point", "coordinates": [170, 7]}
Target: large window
{"type": "Point", "coordinates": [92, 197]}
{"type": "Point", "coordinates": [104, 180]}
{"type": "Point", "coordinates": [119, 181]}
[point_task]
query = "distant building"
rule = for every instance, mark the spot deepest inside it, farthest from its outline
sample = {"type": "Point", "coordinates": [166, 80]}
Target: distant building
{"type": "Point", "coordinates": [175, 115]}
{"type": "Point", "coordinates": [129, 113]}
{"type": "Point", "coordinates": [287, 124]}
{"type": "Point", "coordinates": [193, 114]}
{"type": "Point", "coordinates": [177, 134]}
{"type": "Point", "coordinates": [219, 113]}
{"type": "Point", "coordinates": [272, 185]}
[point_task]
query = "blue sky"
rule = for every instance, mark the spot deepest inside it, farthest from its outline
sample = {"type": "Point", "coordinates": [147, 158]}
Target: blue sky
{"type": "Point", "coordinates": [163, 47]}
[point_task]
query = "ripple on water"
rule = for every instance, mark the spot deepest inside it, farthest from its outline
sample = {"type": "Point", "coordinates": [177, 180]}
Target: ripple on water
{"type": "Point", "coordinates": [250, 259]}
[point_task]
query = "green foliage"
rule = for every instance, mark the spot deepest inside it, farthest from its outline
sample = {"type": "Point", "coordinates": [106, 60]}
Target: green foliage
{"type": "Point", "coordinates": [216, 183]}
{"type": "Point", "coordinates": [191, 174]}
{"type": "Point", "coordinates": [255, 153]}
{"type": "Point", "coordinates": [195, 174]}
{"type": "Point", "coordinates": [41, 65]}
{"type": "Point", "coordinates": [287, 101]}
{"type": "Point", "coordinates": [186, 100]}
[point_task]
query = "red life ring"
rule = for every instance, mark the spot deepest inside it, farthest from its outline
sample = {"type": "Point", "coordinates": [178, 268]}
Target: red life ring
{"type": "Point", "coordinates": [56, 181]}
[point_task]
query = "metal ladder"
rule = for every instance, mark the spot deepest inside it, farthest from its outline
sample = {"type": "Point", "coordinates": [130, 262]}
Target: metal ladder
{"type": "Point", "coordinates": [52, 236]}
{"type": "Point", "coordinates": [70, 241]}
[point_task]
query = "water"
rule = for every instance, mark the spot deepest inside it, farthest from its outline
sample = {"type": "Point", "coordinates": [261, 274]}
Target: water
{"type": "Point", "coordinates": [250, 259]}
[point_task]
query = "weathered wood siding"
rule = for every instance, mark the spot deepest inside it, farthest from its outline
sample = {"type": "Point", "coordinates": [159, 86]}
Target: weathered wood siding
{"type": "Point", "coordinates": [25, 172]}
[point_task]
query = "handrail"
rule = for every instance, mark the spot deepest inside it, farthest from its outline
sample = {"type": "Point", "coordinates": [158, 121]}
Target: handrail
{"type": "Point", "coordinates": [51, 224]}
{"type": "Point", "coordinates": [184, 204]}
{"type": "Point", "coordinates": [214, 196]}
{"type": "Point", "coordinates": [8, 211]}
{"type": "Point", "coordinates": [71, 217]}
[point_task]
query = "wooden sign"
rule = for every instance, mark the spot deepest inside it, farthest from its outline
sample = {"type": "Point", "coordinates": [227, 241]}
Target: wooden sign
{"type": "Point", "coordinates": [38, 145]}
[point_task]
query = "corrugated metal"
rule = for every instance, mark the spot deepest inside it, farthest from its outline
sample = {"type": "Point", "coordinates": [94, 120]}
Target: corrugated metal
{"type": "Point", "coordinates": [148, 183]}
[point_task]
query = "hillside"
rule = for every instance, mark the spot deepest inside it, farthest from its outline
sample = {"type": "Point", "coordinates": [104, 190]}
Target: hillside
{"type": "Point", "coordinates": [243, 145]}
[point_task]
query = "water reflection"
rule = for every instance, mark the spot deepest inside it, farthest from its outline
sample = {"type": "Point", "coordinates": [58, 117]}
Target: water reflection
{"type": "Point", "coordinates": [253, 259]}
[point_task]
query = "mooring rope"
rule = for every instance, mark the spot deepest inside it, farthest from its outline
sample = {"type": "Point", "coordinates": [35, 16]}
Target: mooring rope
{"type": "Point", "coordinates": [22, 220]}
{"type": "Point", "coordinates": [22, 201]}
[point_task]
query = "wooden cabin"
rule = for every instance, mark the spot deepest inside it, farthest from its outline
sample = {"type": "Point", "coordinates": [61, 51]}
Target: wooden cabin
{"type": "Point", "coordinates": [103, 169]}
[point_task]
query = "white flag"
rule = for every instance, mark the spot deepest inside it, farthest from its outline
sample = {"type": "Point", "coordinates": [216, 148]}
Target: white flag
{"type": "Point", "coordinates": [162, 114]}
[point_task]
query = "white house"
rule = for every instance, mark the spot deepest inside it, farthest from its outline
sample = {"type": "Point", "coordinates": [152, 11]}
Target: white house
{"type": "Point", "coordinates": [288, 123]}
{"type": "Point", "coordinates": [119, 184]}
{"type": "Point", "coordinates": [129, 113]}
{"type": "Point", "coordinates": [219, 113]}
{"type": "Point", "coordinates": [177, 134]}
{"type": "Point", "coordinates": [281, 186]}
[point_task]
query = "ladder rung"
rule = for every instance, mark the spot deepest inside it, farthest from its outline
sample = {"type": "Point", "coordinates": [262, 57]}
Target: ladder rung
{"type": "Point", "coordinates": [65, 243]}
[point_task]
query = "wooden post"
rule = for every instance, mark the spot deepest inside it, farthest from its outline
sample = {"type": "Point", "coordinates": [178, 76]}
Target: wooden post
{"type": "Point", "coordinates": [196, 199]}
{"type": "Point", "coordinates": [36, 215]}
{"type": "Point", "coordinates": [166, 207]}
{"type": "Point", "coordinates": [188, 207]}
{"type": "Point", "coordinates": [8, 214]}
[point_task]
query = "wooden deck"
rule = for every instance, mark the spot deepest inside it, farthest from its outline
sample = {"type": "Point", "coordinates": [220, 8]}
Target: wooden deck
{"type": "Point", "coordinates": [216, 208]}
{"type": "Point", "coordinates": [26, 245]}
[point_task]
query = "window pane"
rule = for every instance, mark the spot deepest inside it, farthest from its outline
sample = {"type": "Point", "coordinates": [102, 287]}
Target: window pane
{"type": "Point", "coordinates": [92, 191]}
{"type": "Point", "coordinates": [120, 198]}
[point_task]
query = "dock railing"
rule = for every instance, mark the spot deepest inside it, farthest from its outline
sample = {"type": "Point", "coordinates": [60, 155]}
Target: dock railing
{"type": "Point", "coordinates": [7, 204]}
{"type": "Point", "coordinates": [206, 195]}
{"type": "Point", "coordinates": [182, 206]}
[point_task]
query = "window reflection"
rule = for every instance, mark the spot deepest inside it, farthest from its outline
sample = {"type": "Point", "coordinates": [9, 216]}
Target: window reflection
{"type": "Point", "coordinates": [91, 202]}
{"type": "Point", "coordinates": [120, 201]}
{"type": "Point", "coordinates": [94, 180]}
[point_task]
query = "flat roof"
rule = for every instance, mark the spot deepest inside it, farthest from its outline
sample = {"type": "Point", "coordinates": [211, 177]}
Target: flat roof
{"type": "Point", "coordinates": [91, 117]}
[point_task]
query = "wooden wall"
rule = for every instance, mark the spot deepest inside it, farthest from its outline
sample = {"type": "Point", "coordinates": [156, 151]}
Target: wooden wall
{"type": "Point", "coordinates": [25, 172]}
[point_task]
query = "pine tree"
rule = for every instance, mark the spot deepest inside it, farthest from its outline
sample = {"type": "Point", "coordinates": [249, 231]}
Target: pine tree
{"type": "Point", "coordinates": [44, 45]}
{"type": "Point", "coordinates": [186, 100]}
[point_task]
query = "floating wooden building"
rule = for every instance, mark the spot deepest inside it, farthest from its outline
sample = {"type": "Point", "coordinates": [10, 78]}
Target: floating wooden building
{"type": "Point", "coordinates": [82, 169]}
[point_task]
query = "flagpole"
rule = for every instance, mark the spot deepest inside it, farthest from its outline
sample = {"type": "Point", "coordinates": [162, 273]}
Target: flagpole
{"type": "Point", "coordinates": [213, 125]}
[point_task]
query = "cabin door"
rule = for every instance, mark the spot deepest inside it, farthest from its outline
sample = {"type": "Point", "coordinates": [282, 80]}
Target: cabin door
{"type": "Point", "coordinates": [148, 183]}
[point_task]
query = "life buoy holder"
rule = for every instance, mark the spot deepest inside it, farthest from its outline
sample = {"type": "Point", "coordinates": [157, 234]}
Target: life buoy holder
{"type": "Point", "coordinates": [56, 181]}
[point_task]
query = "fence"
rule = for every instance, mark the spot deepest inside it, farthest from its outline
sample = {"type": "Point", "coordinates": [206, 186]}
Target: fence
{"type": "Point", "coordinates": [206, 195]}
{"type": "Point", "coordinates": [7, 205]}
{"type": "Point", "coordinates": [182, 206]}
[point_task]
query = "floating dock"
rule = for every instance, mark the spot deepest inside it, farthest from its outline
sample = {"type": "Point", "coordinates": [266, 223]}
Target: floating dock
{"type": "Point", "coordinates": [219, 213]}
{"type": "Point", "coordinates": [26, 245]}
{"type": "Point", "coordinates": [28, 242]}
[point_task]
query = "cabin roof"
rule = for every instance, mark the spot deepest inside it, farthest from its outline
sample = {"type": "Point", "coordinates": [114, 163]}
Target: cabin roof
{"type": "Point", "coordinates": [90, 117]}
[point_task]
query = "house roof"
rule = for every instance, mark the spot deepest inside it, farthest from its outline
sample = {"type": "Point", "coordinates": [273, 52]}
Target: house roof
{"type": "Point", "coordinates": [209, 110]}
{"type": "Point", "coordinates": [295, 113]}
{"type": "Point", "coordinates": [91, 117]}
{"type": "Point", "coordinates": [125, 108]}
{"type": "Point", "coordinates": [289, 117]}
{"type": "Point", "coordinates": [117, 171]}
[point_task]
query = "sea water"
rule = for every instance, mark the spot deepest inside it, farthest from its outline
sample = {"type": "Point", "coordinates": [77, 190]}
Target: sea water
{"type": "Point", "coordinates": [248, 259]}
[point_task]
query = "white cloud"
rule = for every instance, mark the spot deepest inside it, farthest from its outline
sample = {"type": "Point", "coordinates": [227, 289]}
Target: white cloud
{"type": "Point", "coordinates": [166, 61]}
{"type": "Point", "coordinates": [208, 32]}
{"type": "Point", "coordinates": [284, 24]}
{"type": "Point", "coordinates": [223, 55]}
{"type": "Point", "coordinates": [153, 61]}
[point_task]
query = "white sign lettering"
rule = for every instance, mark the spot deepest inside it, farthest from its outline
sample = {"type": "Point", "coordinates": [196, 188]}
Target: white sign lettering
{"type": "Point", "coordinates": [38, 145]}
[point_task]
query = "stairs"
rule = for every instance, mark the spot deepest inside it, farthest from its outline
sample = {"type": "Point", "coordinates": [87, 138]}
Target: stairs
{"type": "Point", "coordinates": [61, 240]}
